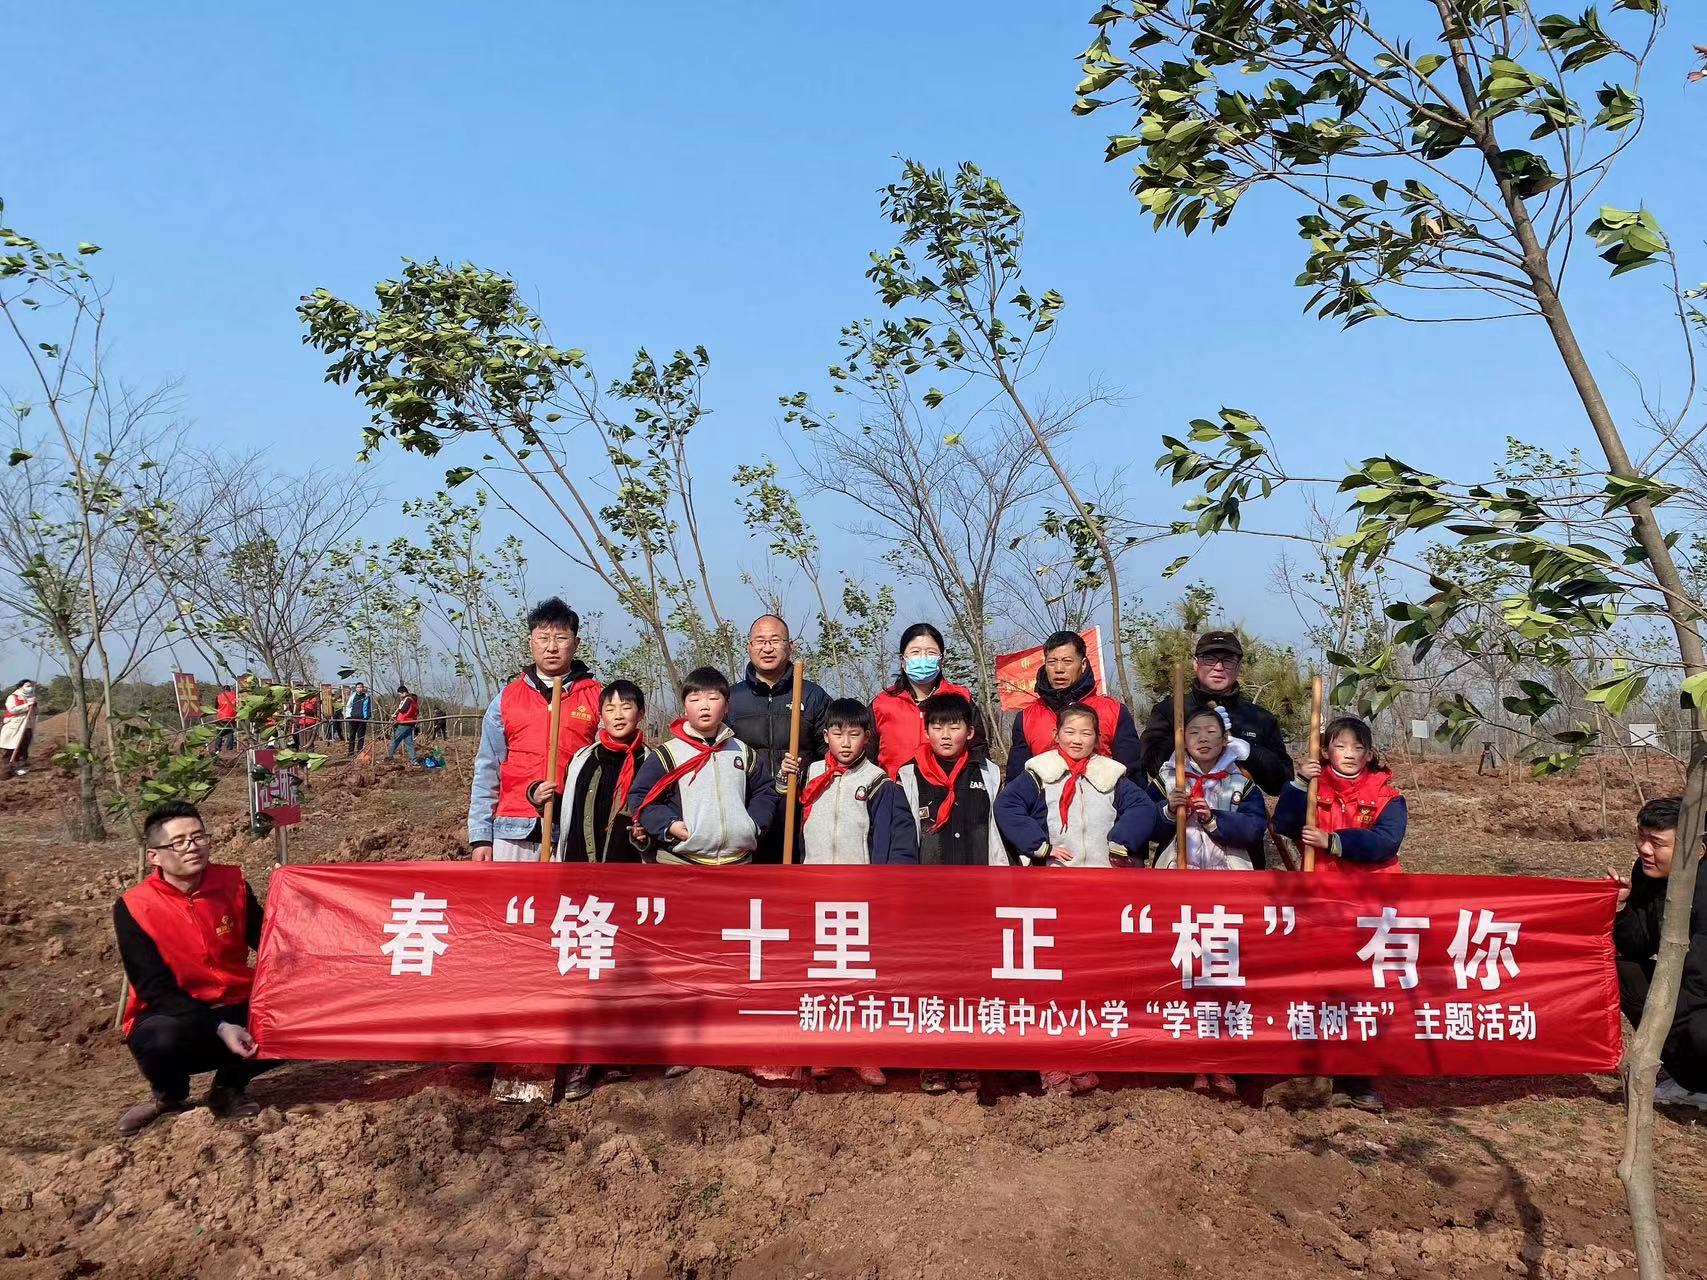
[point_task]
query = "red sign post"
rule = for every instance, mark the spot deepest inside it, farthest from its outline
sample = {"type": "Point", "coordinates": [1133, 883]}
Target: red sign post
{"type": "Point", "coordinates": [939, 967]}
{"type": "Point", "coordinates": [189, 703]}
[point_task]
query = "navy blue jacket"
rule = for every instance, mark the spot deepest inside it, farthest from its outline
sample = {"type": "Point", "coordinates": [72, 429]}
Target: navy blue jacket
{"type": "Point", "coordinates": [1022, 814]}
{"type": "Point", "coordinates": [1379, 843]}
{"type": "Point", "coordinates": [1243, 827]}
{"type": "Point", "coordinates": [894, 836]}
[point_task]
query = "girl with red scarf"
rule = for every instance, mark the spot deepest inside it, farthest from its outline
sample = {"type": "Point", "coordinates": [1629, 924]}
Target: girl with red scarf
{"type": "Point", "coordinates": [1359, 821]}
{"type": "Point", "coordinates": [1227, 817]}
{"type": "Point", "coordinates": [598, 816]}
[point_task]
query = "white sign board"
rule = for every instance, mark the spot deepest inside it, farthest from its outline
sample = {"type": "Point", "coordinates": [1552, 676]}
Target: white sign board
{"type": "Point", "coordinates": [1644, 735]}
{"type": "Point", "coordinates": [1419, 729]}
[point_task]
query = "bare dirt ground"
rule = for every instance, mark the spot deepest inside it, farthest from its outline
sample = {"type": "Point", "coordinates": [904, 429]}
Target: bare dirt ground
{"type": "Point", "coordinates": [376, 1171]}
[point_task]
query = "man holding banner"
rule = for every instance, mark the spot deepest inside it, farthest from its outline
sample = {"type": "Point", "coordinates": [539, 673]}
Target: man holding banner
{"type": "Point", "coordinates": [1066, 675]}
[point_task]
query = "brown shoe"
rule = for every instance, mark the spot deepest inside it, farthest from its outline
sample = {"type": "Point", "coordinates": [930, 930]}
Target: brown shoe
{"type": "Point", "coordinates": [231, 1104]}
{"type": "Point", "coordinates": [143, 1114]}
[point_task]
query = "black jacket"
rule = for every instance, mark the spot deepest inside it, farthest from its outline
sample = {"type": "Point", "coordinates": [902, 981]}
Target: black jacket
{"type": "Point", "coordinates": [759, 715]}
{"type": "Point", "coordinates": [1269, 764]}
{"type": "Point", "coordinates": [1636, 935]}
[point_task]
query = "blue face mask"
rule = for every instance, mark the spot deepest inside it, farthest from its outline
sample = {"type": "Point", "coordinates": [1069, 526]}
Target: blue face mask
{"type": "Point", "coordinates": [922, 669]}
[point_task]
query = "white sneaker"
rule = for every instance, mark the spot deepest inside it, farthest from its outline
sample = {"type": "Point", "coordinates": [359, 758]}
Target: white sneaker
{"type": "Point", "coordinates": [1669, 1093]}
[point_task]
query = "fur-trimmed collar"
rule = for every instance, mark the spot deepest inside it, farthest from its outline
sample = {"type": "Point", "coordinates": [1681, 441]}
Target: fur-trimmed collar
{"type": "Point", "coordinates": [1101, 772]}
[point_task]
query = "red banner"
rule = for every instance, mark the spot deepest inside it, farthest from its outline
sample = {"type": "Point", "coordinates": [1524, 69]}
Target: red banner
{"type": "Point", "coordinates": [1117, 970]}
{"type": "Point", "coordinates": [1016, 673]}
{"type": "Point", "coordinates": [189, 702]}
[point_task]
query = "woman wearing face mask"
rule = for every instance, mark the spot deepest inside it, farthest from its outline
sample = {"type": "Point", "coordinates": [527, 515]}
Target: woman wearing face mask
{"type": "Point", "coordinates": [18, 725]}
{"type": "Point", "coordinates": [895, 714]}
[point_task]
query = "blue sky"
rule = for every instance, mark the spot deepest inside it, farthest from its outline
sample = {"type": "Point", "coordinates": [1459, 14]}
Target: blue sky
{"type": "Point", "coordinates": [671, 174]}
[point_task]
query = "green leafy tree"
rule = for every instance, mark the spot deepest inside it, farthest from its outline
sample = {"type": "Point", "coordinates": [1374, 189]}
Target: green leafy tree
{"type": "Point", "coordinates": [451, 355]}
{"type": "Point", "coordinates": [1442, 170]}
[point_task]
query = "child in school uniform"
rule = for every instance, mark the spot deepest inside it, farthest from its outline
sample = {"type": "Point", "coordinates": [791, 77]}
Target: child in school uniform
{"type": "Point", "coordinates": [1227, 818]}
{"type": "Point", "coordinates": [853, 813]}
{"type": "Point", "coordinates": [705, 794]}
{"type": "Point", "coordinates": [597, 822]}
{"type": "Point", "coordinates": [951, 791]}
{"type": "Point", "coordinates": [1070, 807]}
{"type": "Point", "coordinates": [1357, 829]}
{"type": "Point", "coordinates": [1360, 818]}
{"type": "Point", "coordinates": [1225, 821]}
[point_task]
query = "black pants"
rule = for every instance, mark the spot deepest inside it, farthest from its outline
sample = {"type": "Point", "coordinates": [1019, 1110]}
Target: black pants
{"type": "Point", "coordinates": [171, 1049]}
{"type": "Point", "coordinates": [1684, 1054]}
{"type": "Point", "coordinates": [357, 736]}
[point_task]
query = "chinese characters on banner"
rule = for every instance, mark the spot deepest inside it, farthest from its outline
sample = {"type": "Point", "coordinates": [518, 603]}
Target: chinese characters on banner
{"type": "Point", "coordinates": [189, 704]}
{"type": "Point", "coordinates": [942, 967]}
{"type": "Point", "coordinates": [273, 793]}
{"type": "Point", "coordinates": [1016, 673]}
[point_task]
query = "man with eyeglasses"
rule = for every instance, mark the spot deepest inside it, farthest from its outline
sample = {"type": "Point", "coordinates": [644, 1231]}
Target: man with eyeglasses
{"type": "Point", "coordinates": [184, 935]}
{"type": "Point", "coordinates": [760, 707]}
{"type": "Point", "coordinates": [1217, 662]}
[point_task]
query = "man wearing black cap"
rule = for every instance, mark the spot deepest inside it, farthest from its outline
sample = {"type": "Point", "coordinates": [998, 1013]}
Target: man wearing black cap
{"type": "Point", "coordinates": [1215, 665]}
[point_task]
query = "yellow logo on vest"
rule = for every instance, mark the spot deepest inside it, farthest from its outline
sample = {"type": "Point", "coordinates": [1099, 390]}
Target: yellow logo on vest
{"type": "Point", "coordinates": [225, 926]}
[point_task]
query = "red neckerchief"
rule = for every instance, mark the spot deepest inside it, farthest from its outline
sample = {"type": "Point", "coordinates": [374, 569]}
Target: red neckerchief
{"type": "Point", "coordinates": [1075, 771]}
{"type": "Point", "coordinates": [815, 789]}
{"type": "Point", "coordinates": [705, 750]}
{"type": "Point", "coordinates": [625, 775]}
{"type": "Point", "coordinates": [1198, 779]}
{"type": "Point", "coordinates": [1344, 803]}
{"type": "Point", "coordinates": [930, 769]}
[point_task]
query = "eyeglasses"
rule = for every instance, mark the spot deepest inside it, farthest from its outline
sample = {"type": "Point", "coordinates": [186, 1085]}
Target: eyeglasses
{"type": "Point", "coordinates": [1221, 660]}
{"type": "Point", "coordinates": [183, 844]}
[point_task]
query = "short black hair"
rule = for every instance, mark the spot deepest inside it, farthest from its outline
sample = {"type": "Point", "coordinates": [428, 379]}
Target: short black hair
{"type": "Point", "coordinates": [847, 713]}
{"type": "Point", "coordinates": [918, 629]}
{"type": "Point", "coordinates": [1660, 815]}
{"type": "Point", "coordinates": [623, 691]}
{"type": "Point", "coordinates": [1061, 639]}
{"type": "Point", "coordinates": [164, 812]}
{"type": "Point", "coordinates": [949, 708]}
{"type": "Point", "coordinates": [1077, 709]}
{"type": "Point", "coordinates": [555, 613]}
{"type": "Point", "coordinates": [705, 680]}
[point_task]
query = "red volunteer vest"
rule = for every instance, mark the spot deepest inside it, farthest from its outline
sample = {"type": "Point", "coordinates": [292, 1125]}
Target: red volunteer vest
{"type": "Point", "coordinates": [226, 706]}
{"type": "Point", "coordinates": [409, 710]}
{"type": "Point", "coordinates": [203, 936]}
{"type": "Point", "coordinates": [1038, 723]}
{"type": "Point", "coordinates": [1353, 804]}
{"type": "Point", "coordinates": [900, 724]}
{"type": "Point", "coordinates": [527, 727]}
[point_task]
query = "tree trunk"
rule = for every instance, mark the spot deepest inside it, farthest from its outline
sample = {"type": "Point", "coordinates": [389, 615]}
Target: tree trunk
{"type": "Point", "coordinates": [1642, 1059]}
{"type": "Point", "coordinates": [86, 823]}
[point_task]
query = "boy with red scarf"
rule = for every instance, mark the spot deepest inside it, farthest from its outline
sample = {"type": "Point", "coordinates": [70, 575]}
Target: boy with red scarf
{"type": "Point", "coordinates": [1357, 829]}
{"type": "Point", "coordinates": [598, 823]}
{"type": "Point", "coordinates": [951, 789]}
{"type": "Point", "coordinates": [1359, 821]}
{"type": "Point", "coordinates": [705, 794]}
{"type": "Point", "coordinates": [509, 788]}
{"type": "Point", "coordinates": [853, 812]}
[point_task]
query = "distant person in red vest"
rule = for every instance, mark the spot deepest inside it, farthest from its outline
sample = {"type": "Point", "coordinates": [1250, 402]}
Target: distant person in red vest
{"type": "Point", "coordinates": [225, 716]}
{"type": "Point", "coordinates": [184, 935]}
{"type": "Point", "coordinates": [307, 721]}
{"type": "Point", "coordinates": [408, 716]}
{"type": "Point", "coordinates": [1066, 678]}
{"type": "Point", "coordinates": [897, 713]}
{"type": "Point", "coordinates": [510, 787]}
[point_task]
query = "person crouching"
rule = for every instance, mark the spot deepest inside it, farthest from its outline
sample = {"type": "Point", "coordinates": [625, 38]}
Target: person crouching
{"type": "Point", "coordinates": [1070, 807]}
{"type": "Point", "coordinates": [184, 936]}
